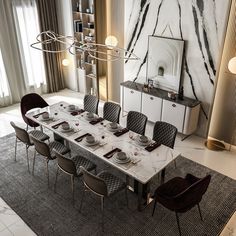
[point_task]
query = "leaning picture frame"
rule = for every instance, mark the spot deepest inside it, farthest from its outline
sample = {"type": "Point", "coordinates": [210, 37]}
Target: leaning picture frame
{"type": "Point", "coordinates": [164, 62]}
{"type": "Point", "coordinates": [150, 83]}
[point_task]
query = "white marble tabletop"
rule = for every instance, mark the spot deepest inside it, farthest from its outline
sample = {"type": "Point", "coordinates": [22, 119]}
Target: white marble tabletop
{"type": "Point", "coordinates": [144, 165]}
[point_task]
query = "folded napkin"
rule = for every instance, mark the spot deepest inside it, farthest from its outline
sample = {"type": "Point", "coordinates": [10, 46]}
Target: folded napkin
{"type": "Point", "coordinates": [111, 153]}
{"type": "Point", "coordinates": [95, 121]}
{"type": "Point", "coordinates": [74, 113]}
{"type": "Point", "coordinates": [80, 138]}
{"type": "Point", "coordinates": [57, 125]}
{"type": "Point", "coordinates": [152, 146]}
{"type": "Point", "coordinates": [37, 116]}
{"type": "Point", "coordinates": [120, 132]}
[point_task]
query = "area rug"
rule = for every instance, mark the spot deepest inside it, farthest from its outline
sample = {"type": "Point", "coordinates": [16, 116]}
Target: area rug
{"type": "Point", "coordinates": [49, 213]}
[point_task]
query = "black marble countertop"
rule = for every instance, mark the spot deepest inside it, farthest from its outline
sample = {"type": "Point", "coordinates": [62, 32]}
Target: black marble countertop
{"type": "Point", "coordinates": [189, 102]}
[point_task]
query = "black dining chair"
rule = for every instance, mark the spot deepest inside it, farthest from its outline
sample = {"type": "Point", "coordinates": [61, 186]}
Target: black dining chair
{"type": "Point", "coordinates": [103, 185]}
{"type": "Point", "coordinates": [111, 112]}
{"type": "Point", "coordinates": [91, 103]}
{"type": "Point", "coordinates": [47, 151]}
{"type": "Point", "coordinates": [136, 122]}
{"type": "Point", "coordinates": [165, 133]}
{"type": "Point", "coordinates": [181, 194]}
{"type": "Point", "coordinates": [28, 102]}
{"type": "Point", "coordinates": [72, 168]}
{"type": "Point", "coordinates": [23, 136]}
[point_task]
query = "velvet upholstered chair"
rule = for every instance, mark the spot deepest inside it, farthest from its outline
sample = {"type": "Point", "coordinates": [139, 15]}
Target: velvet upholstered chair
{"type": "Point", "coordinates": [103, 185]}
{"type": "Point", "coordinates": [181, 194]}
{"type": "Point", "coordinates": [28, 102]}
{"type": "Point", "coordinates": [136, 122]}
{"type": "Point", "coordinates": [91, 103]}
{"type": "Point", "coordinates": [23, 136]}
{"type": "Point", "coordinates": [72, 168]}
{"type": "Point", "coordinates": [111, 112]}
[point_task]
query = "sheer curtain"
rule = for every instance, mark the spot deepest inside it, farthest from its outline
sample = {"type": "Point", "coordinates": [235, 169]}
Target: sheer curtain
{"type": "Point", "coordinates": [27, 27]}
{"type": "Point", "coordinates": [21, 68]}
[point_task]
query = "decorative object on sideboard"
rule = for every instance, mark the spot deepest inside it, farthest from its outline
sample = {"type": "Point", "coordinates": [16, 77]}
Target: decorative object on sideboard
{"type": "Point", "coordinates": [97, 51]}
{"type": "Point", "coordinates": [171, 95]}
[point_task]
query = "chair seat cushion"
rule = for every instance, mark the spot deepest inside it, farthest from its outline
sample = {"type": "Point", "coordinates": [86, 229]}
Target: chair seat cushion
{"type": "Point", "coordinates": [172, 187]}
{"type": "Point", "coordinates": [59, 147]}
{"type": "Point", "coordinates": [82, 161]}
{"type": "Point", "coordinates": [114, 184]}
{"type": "Point", "coordinates": [39, 135]}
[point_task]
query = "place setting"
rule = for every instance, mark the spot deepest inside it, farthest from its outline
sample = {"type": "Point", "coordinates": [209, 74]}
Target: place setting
{"type": "Point", "coordinates": [65, 127]}
{"type": "Point", "coordinates": [92, 118]}
{"type": "Point", "coordinates": [74, 110]}
{"type": "Point", "coordinates": [113, 127]}
{"type": "Point", "coordinates": [46, 117]}
{"type": "Point", "coordinates": [90, 141]}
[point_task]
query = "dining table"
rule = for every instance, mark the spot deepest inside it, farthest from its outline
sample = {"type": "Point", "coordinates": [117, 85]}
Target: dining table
{"type": "Point", "coordinates": [145, 161]}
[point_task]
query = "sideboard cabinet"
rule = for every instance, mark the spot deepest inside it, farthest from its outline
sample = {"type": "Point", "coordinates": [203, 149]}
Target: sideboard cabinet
{"type": "Point", "coordinates": [157, 106]}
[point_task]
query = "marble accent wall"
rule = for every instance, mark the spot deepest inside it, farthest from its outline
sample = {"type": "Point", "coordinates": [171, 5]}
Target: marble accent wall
{"type": "Point", "coordinates": [201, 23]}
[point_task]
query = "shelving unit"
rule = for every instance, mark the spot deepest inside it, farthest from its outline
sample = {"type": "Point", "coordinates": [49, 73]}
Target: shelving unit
{"type": "Point", "coordinates": [85, 31]}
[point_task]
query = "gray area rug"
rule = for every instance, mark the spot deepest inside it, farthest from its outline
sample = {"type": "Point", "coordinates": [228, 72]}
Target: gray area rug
{"type": "Point", "coordinates": [49, 213]}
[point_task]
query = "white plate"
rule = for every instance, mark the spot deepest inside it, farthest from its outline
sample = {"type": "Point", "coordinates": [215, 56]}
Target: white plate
{"type": "Point", "coordinates": [46, 119]}
{"type": "Point", "coordinates": [137, 140]}
{"type": "Point", "coordinates": [112, 130]}
{"type": "Point", "coordinates": [66, 130]}
{"type": "Point", "coordinates": [90, 144]}
{"type": "Point", "coordinates": [120, 161]}
{"type": "Point", "coordinates": [90, 119]}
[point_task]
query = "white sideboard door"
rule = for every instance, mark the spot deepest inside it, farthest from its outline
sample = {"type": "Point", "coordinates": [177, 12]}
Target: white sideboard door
{"type": "Point", "coordinates": [151, 107]}
{"type": "Point", "coordinates": [174, 114]}
{"type": "Point", "coordinates": [132, 100]}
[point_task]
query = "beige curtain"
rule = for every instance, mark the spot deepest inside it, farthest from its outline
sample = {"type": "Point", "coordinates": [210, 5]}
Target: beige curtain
{"type": "Point", "coordinates": [48, 21]}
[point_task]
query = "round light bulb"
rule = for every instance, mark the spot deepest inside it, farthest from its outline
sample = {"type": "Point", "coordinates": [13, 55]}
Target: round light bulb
{"type": "Point", "coordinates": [111, 41]}
{"type": "Point", "coordinates": [232, 65]}
{"type": "Point", "coordinates": [65, 62]}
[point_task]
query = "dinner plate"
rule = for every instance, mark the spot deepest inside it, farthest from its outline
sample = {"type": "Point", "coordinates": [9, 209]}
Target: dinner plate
{"type": "Point", "coordinates": [90, 144]}
{"type": "Point", "coordinates": [90, 119]}
{"type": "Point", "coordinates": [112, 130]}
{"type": "Point", "coordinates": [46, 119]}
{"type": "Point", "coordinates": [121, 161]}
{"type": "Point", "coordinates": [137, 140]}
{"type": "Point", "coordinates": [66, 130]}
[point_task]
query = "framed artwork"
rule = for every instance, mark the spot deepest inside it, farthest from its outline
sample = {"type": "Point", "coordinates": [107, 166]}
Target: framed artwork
{"type": "Point", "coordinates": [164, 62]}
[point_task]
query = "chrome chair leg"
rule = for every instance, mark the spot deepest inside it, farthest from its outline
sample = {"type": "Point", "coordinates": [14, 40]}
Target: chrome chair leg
{"type": "Point", "coordinates": [33, 162]}
{"type": "Point", "coordinates": [154, 207]}
{"type": "Point", "coordinates": [72, 187]}
{"type": "Point", "coordinates": [27, 156]}
{"type": "Point", "coordinates": [177, 218]}
{"type": "Point", "coordinates": [102, 208]}
{"type": "Point", "coordinates": [47, 172]}
{"type": "Point", "coordinates": [55, 184]}
{"type": "Point", "coordinates": [15, 148]}
{"type": "Point", "coordinates": [199, 209]}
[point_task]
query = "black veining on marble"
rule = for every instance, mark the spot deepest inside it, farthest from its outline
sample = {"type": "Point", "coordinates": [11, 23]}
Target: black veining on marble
{"type": "Point", "coordinates": [196, 25]}
{"type": "Point", "coordinates": [200, 5]}
{"type": "Point", "coordinates": [143, 2]}
{"type": "Point", "coordinates": [154, 30]}
{"type": "Point", "coordinates": [186, 63]}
